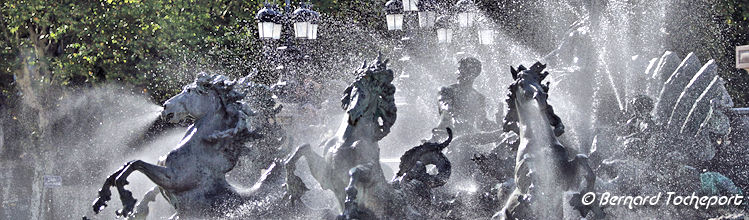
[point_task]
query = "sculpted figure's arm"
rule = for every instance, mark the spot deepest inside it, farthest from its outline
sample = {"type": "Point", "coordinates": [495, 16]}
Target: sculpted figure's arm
{"type": "Point", "coordinates": [443, 108]}
{"type": "Point", "coordinates": [484, 123]}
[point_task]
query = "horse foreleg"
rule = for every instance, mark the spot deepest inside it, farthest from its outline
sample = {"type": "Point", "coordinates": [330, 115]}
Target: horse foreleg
{"type": "Point", "coordinates": [590, 177]}
{"type": "Point", "coordinates": [359, 175]}
{"type": "Point", "coordinates": [141, 209]}
{"type": "Point", "coordinates": [590, 181]}
{"type": "Point", "coordinates": [163, 177]}
{"type": "Point", "coordinates": [317, 166]}
{"type": "Point", "coordinates": [104, 193]}
{"type": "Point", "coordinates": [295, 187]}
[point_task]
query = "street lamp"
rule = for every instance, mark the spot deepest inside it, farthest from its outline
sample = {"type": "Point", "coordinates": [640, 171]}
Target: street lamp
{"type": "Point", "coordinates": [268, 23]}
{"type": "Point", "coordinates": [485, 32]}
{"type": "Point", "coordinates": [742, 57]}
{"type": "Point", "coordinates": [427, 15]}
{"type": "Point", "coordinates": [444, 29]}
{"type": "Point", "coordinates": [466, 13]}
{"type": "Point", "coordinates": [305, 23]}
{"type": "Point", "coordinates": [394, 14]}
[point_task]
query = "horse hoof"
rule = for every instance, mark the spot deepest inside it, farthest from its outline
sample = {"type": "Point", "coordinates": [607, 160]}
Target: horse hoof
{"type": "Point", "coordinates": [127, 208]}
{"type": "Point", "coordinates": [99, 204]}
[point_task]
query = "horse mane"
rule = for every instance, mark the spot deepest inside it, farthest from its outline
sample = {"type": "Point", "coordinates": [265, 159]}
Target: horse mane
{"type": "Point", "coordinates": [231, 96]}
{"type": "Point", "coordinates": [378, 79]}
{"type": "Point", "coordinates": [369, 75]}
{"type": "Point", "coordinates": [535, 72]}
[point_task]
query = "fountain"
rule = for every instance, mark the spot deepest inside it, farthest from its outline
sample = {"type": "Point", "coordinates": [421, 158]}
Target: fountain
{"type": "Point", "coordinates": [630, 117]}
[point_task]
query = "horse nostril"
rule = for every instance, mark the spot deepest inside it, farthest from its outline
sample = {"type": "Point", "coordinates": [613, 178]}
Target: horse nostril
{"type": "Point", "coordinates": [166, 110]}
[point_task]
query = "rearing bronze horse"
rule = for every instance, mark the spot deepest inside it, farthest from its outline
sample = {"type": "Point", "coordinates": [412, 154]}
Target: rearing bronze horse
{"type": "Point", "coordinates": [543, 168]}
{"type": "Point", "coordinates": [192, 177]}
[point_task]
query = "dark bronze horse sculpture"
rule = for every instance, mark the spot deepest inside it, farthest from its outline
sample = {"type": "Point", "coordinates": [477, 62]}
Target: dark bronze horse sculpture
{"type": "Point", "coordinates": [192, 177]}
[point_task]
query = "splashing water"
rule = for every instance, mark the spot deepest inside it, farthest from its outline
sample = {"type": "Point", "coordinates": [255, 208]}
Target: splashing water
{"type": "Point", "coordinates": [599, 50]}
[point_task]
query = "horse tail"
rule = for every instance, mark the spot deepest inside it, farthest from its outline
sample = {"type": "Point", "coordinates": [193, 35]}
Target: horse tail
{"type": "Point", "coordinates": [443, 145]}
{"type": "Point", "coordinates": [414, 161]}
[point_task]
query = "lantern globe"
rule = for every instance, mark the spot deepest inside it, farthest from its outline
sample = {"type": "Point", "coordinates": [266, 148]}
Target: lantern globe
{"type": "Point", "coordinates": [444, 28]}
{"type": "Point", "coordinates": [466, 13]}
{"type": "Point", "coordinates": [268, 23]}
{"type": "Point", "coordinates": [486, 37]}
{"type": "Point", "coordinates": [394, 14]}
{"type": "Point", "coordinates": [485, 31]}
{"type": "Point", "coordinates": [305, 23]}
{"type": "Point", "coordinates": [411, 5]}
{"type": "Point", "coordinates": [427, 13]}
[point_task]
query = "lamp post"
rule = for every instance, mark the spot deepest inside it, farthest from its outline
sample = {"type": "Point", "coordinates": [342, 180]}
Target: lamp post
{"type": "Point", "coordinates": [394, 14]}
{"type": "Point", "coordinates": [301, 24]}
{"type": "Point", "coordinates": [742, 57]}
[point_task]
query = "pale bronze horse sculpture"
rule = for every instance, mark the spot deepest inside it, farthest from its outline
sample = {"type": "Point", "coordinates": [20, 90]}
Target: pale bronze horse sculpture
{"type": "Point", "coordinates": [350, 164]}
{"type": "Point", "coordinates": [543, 167]}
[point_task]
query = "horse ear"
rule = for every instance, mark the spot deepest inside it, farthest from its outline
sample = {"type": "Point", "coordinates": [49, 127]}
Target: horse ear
{"type": "Point", "coordinates": [514, 72]}
{"type": "Point", "coordinates": [538, 67]}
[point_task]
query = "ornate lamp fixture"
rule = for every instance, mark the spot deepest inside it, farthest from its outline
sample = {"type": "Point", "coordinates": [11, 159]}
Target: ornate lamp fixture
{"type": "Point", "coordinates": [305, 23]}
{"type": "Point", "coordinates": [394, 14]}
{"type": "Point", "coordinates": [444, 26]}
{"type": "Point", "coordinates": [466, 13]}
{"type": "Point", "coordinates": [269, 23]}
{"type": "Point", "coordinates": [428, 13]}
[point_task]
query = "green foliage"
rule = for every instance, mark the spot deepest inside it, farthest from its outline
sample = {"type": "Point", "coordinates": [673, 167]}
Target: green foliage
{"type": "Point", "coordinates": [155, 45]}
{"type": "Point", "coordinates": [82, 42]}
{"type": "Point", "coordinates": [734, 18]}
{"type": "Point", "coordinates": [158, 45]}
